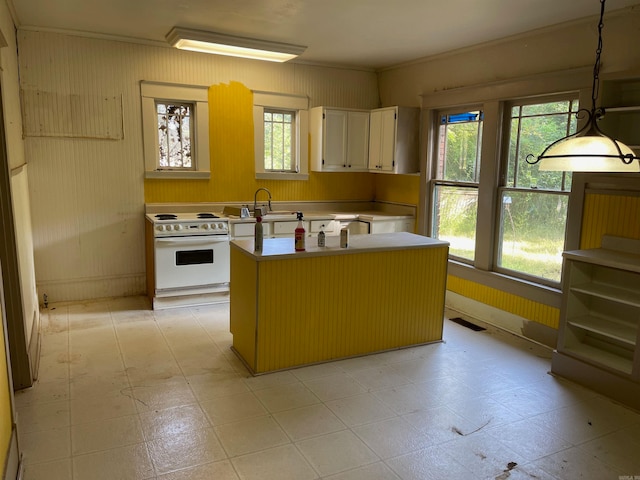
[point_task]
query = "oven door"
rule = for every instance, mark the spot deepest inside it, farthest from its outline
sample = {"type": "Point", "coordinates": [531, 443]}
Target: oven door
{"type": "Point", "coordinates": [183, 262]}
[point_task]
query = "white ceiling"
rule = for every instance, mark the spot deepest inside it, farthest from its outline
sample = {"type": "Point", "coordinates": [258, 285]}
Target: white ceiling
{"type": "Point", "coordinates": [359, 33]}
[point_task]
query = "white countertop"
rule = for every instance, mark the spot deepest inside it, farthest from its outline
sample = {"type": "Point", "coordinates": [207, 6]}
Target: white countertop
{"type": "Point", "coordinates": [368, 216]}
{"type": "Point", "coordinates": [276, 248]}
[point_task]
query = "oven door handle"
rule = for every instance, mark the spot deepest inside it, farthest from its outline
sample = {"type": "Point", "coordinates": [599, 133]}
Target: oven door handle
{"type": "Point", "coordinates": [192, 241]}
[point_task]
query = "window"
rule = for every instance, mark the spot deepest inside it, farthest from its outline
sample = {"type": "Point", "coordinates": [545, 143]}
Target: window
{"type": "Point", "coordinates": [533, 203]}
{"type": "Point", "coordinates": [279, 141]}
{"type": "Point", "coordinates": [455, 188]}
{"type": "Point", "coordinates": [175, 120]}
{"type": "Point", "coordinates": [281, 136]}
{"type": "Point", "coordinates": [174, 135]}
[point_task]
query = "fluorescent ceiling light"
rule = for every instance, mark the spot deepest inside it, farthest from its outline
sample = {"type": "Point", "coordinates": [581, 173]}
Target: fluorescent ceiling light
{"type": "Point", "coordinates": [219, 44]}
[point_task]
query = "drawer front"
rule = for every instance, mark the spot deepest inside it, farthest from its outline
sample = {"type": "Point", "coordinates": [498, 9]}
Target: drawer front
{"type": "Point", "coordinates": [284, 227]}
{"type": "Point", "coordinates": [243, 230]}
{"type": "Point", "coordinates": [316, 225]}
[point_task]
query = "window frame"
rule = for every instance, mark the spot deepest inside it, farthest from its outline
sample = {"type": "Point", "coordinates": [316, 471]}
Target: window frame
{"type": "Point", "coordinates": [198, 96]}
{"type": "Point", "coordinates": [435, 181]}
{"type": "Point", "coordinates": [287, 102]}
{"type": "Point", "coordinates": [491, 96]}
{"type": "Point", "coordinates": [503, 187]}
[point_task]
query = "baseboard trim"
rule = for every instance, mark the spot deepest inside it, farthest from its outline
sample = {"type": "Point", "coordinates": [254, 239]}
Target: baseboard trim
{"type": "Point", "coordinates": [504, 320]}
{"type": "Point", "coordinates": [13, 467]}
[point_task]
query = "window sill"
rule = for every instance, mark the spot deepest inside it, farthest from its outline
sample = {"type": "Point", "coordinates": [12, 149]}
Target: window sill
{"type": "Point", "coordinates": [532, 291]}
{"type": "Point", "coordinates": [169, 174]}
{"type": "Point", "coordinates": [281, 176]}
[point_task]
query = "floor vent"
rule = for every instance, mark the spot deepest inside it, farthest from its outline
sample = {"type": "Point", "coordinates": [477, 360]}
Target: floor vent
{"type": "Point", "coordinates": [468, 324]}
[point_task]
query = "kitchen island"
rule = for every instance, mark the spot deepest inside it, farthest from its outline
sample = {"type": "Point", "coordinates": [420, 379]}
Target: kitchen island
{"type": "Point", "coordinates": [290, 308]}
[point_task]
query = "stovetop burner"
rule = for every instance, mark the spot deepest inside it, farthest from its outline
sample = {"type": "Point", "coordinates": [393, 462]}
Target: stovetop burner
{"type": "Point", "coordinates": [166, 216]}
{"type": "Point", "coordinates": [207, 215]}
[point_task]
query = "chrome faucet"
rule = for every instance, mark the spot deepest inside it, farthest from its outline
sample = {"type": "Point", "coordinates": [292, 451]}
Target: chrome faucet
{"type": "Point", "coordinates": [255, 198]}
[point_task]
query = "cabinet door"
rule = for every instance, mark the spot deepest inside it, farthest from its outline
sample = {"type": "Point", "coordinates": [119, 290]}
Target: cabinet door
{"type": "Point", "coordinates": [375, 145]}
{"type": "Point", "coordinates": [358, 140]}
{"type": "Point", "coordinates": [388, 140]}
{"type": "Point", "coordinates": [335, 140]}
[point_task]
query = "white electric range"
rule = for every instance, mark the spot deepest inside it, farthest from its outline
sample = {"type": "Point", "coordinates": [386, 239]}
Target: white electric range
{"type": "Point", "coordinates": [188, 254]}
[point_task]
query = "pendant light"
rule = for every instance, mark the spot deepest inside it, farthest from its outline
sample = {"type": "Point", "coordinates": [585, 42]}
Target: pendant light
{"type": "Point", "coordinates": [589, 149]}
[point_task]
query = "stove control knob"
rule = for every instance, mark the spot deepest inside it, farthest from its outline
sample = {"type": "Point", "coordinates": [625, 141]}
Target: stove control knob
{"type": "Point", "coordinates": [221, 226]}
{"type": "Point", "coordinates": [213, 226]}
{"type": "Point", "coordinates": [178, 227]}
{"type": "Point", "coordinates": [160, 228]}
{"type": "Point", "coordinates": [169, 228]}
{"type": "Point", "coordinates": [205, 226]}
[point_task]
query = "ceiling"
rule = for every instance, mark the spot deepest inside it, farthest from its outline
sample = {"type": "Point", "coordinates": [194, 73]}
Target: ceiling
{"type": "Point", "coordinates": [358, 33]}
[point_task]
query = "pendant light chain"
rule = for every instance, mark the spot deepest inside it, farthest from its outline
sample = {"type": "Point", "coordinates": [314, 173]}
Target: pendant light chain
{"type": "Point", "coordinates": [595, 89]}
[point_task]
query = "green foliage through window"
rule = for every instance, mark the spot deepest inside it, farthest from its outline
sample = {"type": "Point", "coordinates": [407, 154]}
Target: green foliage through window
{"type": "Point", "coordinates": [174, 135]}
{"type": "Point", "coordinates": [279, 141]}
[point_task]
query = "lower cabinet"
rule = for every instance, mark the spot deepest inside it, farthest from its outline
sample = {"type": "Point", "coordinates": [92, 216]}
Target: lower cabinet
{"type": "Point", "coordinates": [599, 337]}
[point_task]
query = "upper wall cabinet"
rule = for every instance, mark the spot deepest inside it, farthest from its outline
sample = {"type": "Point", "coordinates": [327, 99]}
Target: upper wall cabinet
{"type": "Point", "coordinates": [339, 139]}
{"type": "Point", "coordinates": [621, 101]}
{"type": "Point", "coordinates": [393, 140]}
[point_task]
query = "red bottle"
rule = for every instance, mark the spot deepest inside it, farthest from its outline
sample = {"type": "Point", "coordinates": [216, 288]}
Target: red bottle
{"type": "Point", "coordinates": [300, 235]}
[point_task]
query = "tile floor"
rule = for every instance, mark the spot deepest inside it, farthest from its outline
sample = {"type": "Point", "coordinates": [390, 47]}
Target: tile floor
{"type": "Point", "coordinates": [129, 393]}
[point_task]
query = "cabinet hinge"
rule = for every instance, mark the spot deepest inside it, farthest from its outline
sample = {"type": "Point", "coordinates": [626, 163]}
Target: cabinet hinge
{"type": "Point", "coordinates": [323, 161]}
{"type": "Point", "coordinates": [395, 116]}
{"type": "Point", "coordinates": [323, 116]}
{"type": "Point", "coordinates": [393, 163]}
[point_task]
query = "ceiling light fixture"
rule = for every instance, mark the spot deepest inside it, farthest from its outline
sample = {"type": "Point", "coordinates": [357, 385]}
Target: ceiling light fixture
{"type": "Point", "coordinates": [219, 44]}
{"type": "Point", "coordinates": [589, 149]}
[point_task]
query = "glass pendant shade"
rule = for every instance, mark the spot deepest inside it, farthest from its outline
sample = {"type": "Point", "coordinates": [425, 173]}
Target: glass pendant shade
{"type": "Point", "coordinates": [589, 153]}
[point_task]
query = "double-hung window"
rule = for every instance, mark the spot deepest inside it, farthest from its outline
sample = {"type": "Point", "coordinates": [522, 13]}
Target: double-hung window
{"type": "Point", "coordinates": [175, 127]}
{"type": "Point", "coordinates": [533, 203]}
{"type": "Point", "coordinates": [455, 188]}
{"type": "Point", "coordinates": [281, 130]}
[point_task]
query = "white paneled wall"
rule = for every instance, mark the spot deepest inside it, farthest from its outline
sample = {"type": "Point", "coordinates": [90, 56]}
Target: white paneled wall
{"type": "Point", "coordinates": [87, 194]}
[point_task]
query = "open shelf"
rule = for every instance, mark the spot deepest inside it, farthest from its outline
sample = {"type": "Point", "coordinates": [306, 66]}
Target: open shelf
{"type": "Point", "coordinates": [600, 357]}
{"type": "Point", "coordinates": [609, 292]}
{"type": "Point", "coordinates": [615, 330]}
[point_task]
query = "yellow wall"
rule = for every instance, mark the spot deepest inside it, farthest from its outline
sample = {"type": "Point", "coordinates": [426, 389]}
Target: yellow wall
{"type": "Point", "coordinates": [397, 188]}
{"type": "Point", "coordinates": [603, 214]}
{"type": "Point", "coordinates": [508, 302]}
{"type": "Point", "coordinates": [232, 163]}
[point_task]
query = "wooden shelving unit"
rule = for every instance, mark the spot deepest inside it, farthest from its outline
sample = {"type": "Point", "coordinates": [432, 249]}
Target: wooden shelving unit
{"type": "Point", "coordinates": [599, 337]}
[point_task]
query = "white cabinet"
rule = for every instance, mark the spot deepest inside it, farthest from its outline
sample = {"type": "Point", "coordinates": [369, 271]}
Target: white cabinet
{"type": "Point", "coordinates": [391, 226]}
{"type": "Point", "coordinates": [339, 139]}
{"type": "Point", "coordinates": [393, 140]}
{"type": "Point", "coordinates": [600, 319]}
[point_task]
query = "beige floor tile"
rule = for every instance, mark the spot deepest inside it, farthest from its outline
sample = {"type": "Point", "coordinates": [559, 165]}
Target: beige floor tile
{"type": "Point", "coordinates": [43, 392]}
{"type": "Point", "coordinates": [306, 422]}
{"type": "Point", "coordinates": [159, 397]}
{"type": "Point", "coordinates": [374, 471]}
{"type": "Point", "coordinates": [270, 380]}
{"type": "Point", "coordinates": [183, 450]}
{"type": "Point", "coordinates": [360, 409]}
{"type": "Point", "coordinates": [441, 424]}
{"type": "Point", "coordinates": [379, 378]}
{"type": "Point", "coordinates": [101, 407]}
{"type": "Point", "coordinates": [46, 445]}
{"type": "Point", "coordinates": [251, 435]}
{"type": "Point", "coordinates": [106, 434]}
{"type": "Point", "coordinates": [334, 386]}
{"type": "Point", "coordinates": [619, 449]}
{"type": "Point", "coordinates": [232, 408]}
{"type": "Point", "coordinates": [286, 397]}
{"type": "Point", "coordinates": [392, 437]}
{"type": "Point", "coordinates": [279, 463]}
{"type": "Point", "coordinates": [432, 463]}
{"type": "Point", "coordinates": [56, 470]}
{"type": "Point", "coordinates": [107, 384]}
{"type": "Point", "coordinates": [574, 464]}
{"type": "Point", "coordinates": [172, 421]}
{"type": "Point", "coordinates": [222, 470]}
{"type": "Point", "coordinates": [154, 374]}
{"type": "Point", "coordinates": [336, 452]}
{"type": "Point", "coordinates": [213, 385]}
{"type": "Point", "coordinates": [316, 371]}
{"type": "Point", "coordinates": [527, 439]}
{"type": "Point", "coordinates": [404, 399]}
{"type": "Point", "coordinates": [43, 416]}
{"type": "Point", "coordinates": [483, 455]}
{"type": "Point", "coordinates": [125, 463]}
